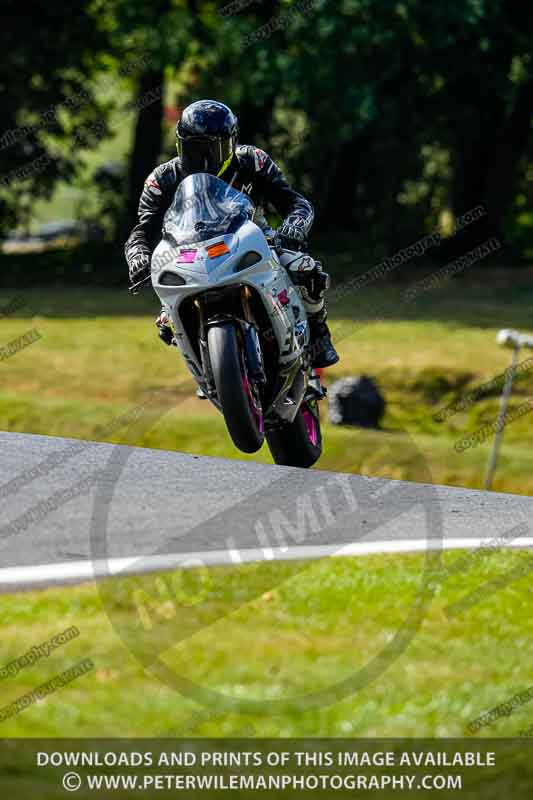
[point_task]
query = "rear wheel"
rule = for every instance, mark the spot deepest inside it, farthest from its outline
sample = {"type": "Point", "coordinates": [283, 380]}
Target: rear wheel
{"type": "Point", "coordinates": [298, 443]}
{"type": "Point", "coordinates": [241, 405]}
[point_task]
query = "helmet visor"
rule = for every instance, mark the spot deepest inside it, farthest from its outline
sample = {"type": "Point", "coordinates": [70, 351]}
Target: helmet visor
{"type": "Point", "coordinates": [205, 153]}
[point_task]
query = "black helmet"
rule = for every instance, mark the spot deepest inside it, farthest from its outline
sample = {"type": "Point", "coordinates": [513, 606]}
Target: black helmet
{"type": "Point", "coordinates": [206, 137]}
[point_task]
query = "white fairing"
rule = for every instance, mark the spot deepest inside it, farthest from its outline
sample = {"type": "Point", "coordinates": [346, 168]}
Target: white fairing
{"type": "Point", "coordinates": [200, 272]}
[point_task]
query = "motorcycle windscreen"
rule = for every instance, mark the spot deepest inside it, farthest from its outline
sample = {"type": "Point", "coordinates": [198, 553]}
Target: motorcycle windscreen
{"type": "Point", "coordinates": [204, 207]}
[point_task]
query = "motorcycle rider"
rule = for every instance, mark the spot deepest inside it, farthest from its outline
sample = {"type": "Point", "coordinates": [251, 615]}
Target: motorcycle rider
{"type": "Point", "coordinates": [207, 142]}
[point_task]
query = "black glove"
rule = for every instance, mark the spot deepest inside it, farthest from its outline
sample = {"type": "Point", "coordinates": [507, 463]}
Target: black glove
{"type": "Point", "coordinates": [139, 268]}
{"type": "Point", "coordinates": [291, 235]}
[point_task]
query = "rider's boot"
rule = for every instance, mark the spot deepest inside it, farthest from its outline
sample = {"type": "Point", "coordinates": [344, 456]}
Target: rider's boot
{"type": "Point", "coordinates": [312, 283]}
{"type": "Point", "coordinates": [323, 353]}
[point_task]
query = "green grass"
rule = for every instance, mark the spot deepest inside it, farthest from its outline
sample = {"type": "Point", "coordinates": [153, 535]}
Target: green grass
{"type": "Point", "coordinates": [275, 632]}
{"type": "Point", "coordinates": [278, 634]}
{"type": "Point", "coordinates": [99, 355]}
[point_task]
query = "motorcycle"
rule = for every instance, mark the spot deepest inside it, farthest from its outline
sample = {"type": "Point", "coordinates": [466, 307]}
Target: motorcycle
{"type": "Point", "coordinates": [238, 320]}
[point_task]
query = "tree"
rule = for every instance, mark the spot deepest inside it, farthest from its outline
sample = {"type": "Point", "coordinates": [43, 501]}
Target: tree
{"type": "Point", "coordinates": [48, 103]}
{"type": "Point", "coordinates": [482, 62]}
{"type": "Point", "coordinates": [394, 92]}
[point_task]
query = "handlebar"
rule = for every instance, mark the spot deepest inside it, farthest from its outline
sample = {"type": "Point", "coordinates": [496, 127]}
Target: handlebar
{"type": "Point", "coordinates": [134, 289]}
{"type": "Point", "coordinates": [273, 240]}
{"type": "Point", "coordinates": [271, 236]}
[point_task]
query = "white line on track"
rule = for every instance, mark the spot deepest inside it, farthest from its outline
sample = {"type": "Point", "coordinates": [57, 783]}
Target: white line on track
{"type": "Point", "coordinates": [72, 572]}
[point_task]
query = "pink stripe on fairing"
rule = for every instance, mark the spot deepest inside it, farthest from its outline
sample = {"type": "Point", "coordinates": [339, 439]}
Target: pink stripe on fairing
{"type": "Point", "coordinates": [186, 257]}
{"type": "Point", "coordinates": [311, 426]}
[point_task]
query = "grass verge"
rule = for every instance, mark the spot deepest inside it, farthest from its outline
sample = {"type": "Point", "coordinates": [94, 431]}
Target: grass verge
{"type": "Point", "coordinates": [99, 356]}
{"type": "Point", "coordinates": [181, 654]}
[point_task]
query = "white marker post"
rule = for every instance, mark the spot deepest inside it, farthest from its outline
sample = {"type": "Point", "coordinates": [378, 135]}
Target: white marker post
{"type": "Point", "coordinates": [514, 340]}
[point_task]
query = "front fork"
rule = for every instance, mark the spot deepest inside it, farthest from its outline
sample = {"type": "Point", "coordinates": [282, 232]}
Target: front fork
{"type": "Point", "coordinates": [252, 352]}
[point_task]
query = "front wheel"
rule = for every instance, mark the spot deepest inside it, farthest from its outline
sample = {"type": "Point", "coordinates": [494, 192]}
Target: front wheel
{"type": "Point", "coordinates": [298, 443]}
{"type": "Point", "coordinates": [238, 398]}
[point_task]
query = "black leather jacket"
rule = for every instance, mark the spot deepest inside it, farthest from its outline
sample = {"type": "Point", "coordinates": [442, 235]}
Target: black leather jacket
{"type": "Point", "coordinates": [251, 170]}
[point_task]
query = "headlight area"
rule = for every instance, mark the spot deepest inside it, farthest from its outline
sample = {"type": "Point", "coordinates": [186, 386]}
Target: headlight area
{"type": "Point", "coordinates": [168, 278]}
{"type": "Point", "coordinates": [248, 260]}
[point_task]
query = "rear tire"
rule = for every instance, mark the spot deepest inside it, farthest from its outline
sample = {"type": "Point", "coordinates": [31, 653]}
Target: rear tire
{"type": "Point", "coordinates": [241, 409]}
{"type": "Point", "coordinates": [298, 443]}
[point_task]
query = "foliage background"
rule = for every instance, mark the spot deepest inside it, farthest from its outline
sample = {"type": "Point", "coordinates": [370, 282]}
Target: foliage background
{"type": "Point", "coordinates": [391, 116]}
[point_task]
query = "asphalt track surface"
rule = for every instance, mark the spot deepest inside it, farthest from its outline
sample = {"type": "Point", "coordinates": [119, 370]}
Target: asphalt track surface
{"type": "Point", "coordinates": [74, 510]}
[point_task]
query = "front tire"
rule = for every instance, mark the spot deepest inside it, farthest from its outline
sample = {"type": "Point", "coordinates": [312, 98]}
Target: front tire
{"type": "Point", "coordinates": [298, 443]}
{"type": "Point", "coordinates": [240, 405]}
